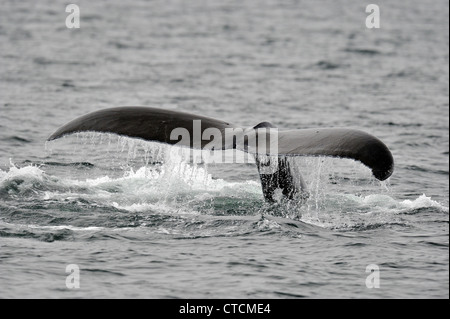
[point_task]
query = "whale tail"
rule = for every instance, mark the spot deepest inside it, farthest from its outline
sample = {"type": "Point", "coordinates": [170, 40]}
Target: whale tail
{"type": "Point", "coordinates": [165, 126]}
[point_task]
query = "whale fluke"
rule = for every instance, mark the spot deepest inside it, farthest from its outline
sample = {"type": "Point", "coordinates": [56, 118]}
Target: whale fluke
{"type": "Point", "coordinates": [150, 124]}
{"type": "Point", "coordinates": [153, 124]}
{"type": "Point", "coordinates": [339, 142]}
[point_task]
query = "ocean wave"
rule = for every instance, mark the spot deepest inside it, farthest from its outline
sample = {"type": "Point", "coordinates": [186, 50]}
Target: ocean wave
{"type": "Point", "coordinates": [346, 212]}
{"type": "Point", "coordinates": [363, 51]}
{"type": "Point", "coordinates": [21, 180]}
{"type": "Point", "coordinates": [27, 232]}
{"type": "Point", "coordinates": [423, 201]}
{"type": "Point", "coordinates": [182, 200]}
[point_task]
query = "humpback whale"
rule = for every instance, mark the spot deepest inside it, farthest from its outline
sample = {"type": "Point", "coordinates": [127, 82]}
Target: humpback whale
{"type": "Point", "coordinates": [159, 125]}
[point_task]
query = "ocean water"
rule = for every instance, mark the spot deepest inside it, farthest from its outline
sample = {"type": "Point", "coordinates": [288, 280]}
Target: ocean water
{"type": "Point", "coordinates": [140, 223]}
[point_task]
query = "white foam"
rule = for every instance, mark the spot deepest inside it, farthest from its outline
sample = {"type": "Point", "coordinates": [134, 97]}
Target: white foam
{"type": "Point", "coordinates": [423, 202]}
{"type": "Point", "coordinates": [28, 172]}
{"type": "Point", "coordinates": [68, 227]}
{"type": "Point", "coordinates": [179, 187]}
{"type": "Point", "coordinates": [267, 224]}
{"type": "Point", "coordinates": [59, 227]}
{"type": "Point", "coordinates": [345, 211]}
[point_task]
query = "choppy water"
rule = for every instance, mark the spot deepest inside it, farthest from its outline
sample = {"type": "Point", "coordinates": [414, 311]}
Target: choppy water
{"type": "Point", "coordinates": [139, 223]}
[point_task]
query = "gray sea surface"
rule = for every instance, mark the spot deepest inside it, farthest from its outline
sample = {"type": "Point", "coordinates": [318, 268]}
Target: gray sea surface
{"type": "Point", "coordinates": [140, 223]}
